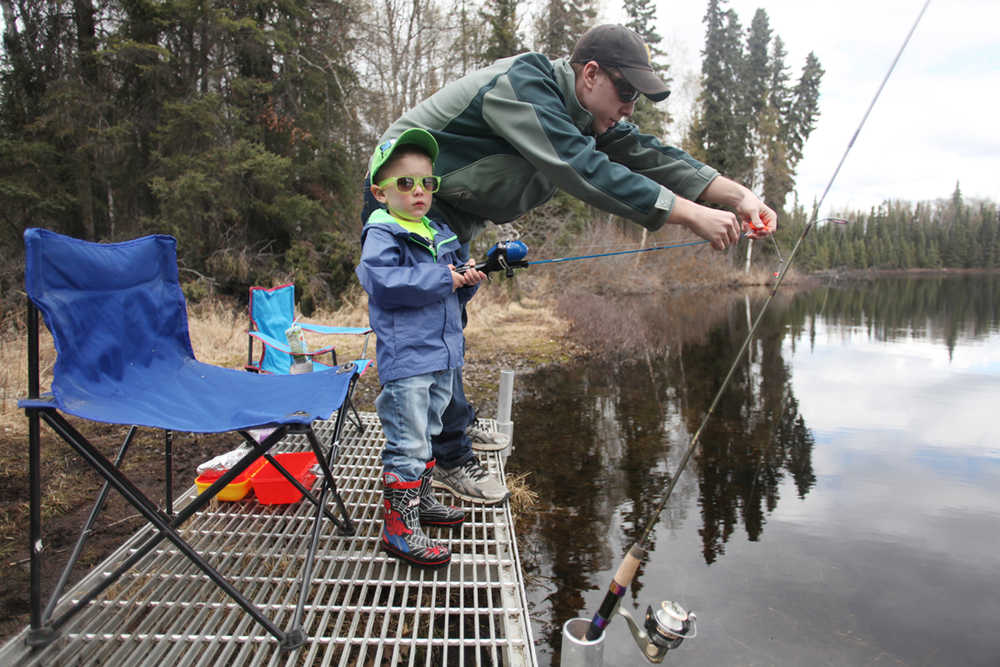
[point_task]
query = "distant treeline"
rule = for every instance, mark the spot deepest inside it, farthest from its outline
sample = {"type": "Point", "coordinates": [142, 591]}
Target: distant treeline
{"type": "Point", "coordinates": [948, 233]}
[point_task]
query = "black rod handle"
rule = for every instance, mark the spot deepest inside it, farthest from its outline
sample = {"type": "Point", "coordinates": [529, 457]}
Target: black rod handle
{"type": "Point", "coordinates": [619, 584]}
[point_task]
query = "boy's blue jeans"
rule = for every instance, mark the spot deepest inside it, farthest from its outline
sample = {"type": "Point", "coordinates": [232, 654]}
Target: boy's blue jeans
{"type": "Point", "coordinates": [410, 410]}
{"type": "Point", "coordinates": [452, 446]}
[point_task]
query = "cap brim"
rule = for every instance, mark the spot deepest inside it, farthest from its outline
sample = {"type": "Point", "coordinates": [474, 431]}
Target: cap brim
{"type": "Point", "coordinates": [646, 83]}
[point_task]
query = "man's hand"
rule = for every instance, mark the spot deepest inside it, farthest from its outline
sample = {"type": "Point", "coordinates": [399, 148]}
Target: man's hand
{"type": "Point", "coordinates": [755, 216]}
{"type": "Point", "coordinates": [759, 221]}
{"type": "Point", "coordinates": [720, 228]}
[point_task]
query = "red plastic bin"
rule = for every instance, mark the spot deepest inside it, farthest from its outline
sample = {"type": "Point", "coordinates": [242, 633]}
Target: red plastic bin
{"type": "Point", "coordinates": [272, 488]}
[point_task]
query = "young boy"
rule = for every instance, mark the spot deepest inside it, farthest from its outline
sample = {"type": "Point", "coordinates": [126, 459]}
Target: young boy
{"type": "Point", "coordinates": [415, 300]}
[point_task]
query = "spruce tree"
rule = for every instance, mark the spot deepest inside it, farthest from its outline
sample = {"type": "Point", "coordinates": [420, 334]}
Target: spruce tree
{"type": "Point", "coordinates": [757, 75]}
{"type": "Point", "coordinates": [649, 116]}
{"type": "Point", "coordinates": [503, 25]}
{"type": "Point", "coordinates": [749, 124]}
{"type": "Point", "coordinates": [560, 24]}
{"type": "Point", "coordinates": [777, 178]}
{"type": "Point", "coordinates": [754, 98]}
{"type": "Point", "coordinates": [718, 130]}
{"type": "Point", "coordinates": [804, 109]}
{"type": "Point", "coordinates": [470, 33]}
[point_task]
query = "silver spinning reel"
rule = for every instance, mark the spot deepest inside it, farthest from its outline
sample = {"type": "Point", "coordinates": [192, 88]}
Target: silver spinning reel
{"type": "Point", "coordinates": [663, 629]}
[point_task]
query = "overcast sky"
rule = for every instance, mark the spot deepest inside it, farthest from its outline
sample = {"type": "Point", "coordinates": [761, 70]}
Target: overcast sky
{"type": "Point", "coordinates": [935, 122]}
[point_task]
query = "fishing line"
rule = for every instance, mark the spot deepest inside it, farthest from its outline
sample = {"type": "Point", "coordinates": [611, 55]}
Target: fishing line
{"type": "Point", "coordinates": [617, 252]}
{"type": "Point", "coordinates": [606, 247]}
{"type": "Point", "coordinates": [630, 564]}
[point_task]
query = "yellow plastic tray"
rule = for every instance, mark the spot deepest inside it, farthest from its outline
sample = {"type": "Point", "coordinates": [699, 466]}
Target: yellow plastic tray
{"type": "Point", "coordinates": [235, 490]}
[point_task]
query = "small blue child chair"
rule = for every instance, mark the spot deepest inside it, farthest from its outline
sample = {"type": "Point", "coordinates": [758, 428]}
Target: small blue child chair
{"type": "Point", "coordinates": [272, 313]}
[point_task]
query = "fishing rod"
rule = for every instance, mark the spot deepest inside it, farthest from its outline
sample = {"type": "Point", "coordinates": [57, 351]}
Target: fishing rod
{"type": "Point", "coordinates": [671, 624]}
{"type": "Point", "coordinates": [510, 254]}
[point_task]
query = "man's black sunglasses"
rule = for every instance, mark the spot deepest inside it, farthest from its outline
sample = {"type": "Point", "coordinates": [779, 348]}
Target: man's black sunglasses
{"type": "Point", "coordinates": [627, 93]}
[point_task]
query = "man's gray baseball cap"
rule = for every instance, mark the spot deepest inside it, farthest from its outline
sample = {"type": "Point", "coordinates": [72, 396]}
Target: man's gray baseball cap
{"type": "Point", "coordinates": [613, 45]}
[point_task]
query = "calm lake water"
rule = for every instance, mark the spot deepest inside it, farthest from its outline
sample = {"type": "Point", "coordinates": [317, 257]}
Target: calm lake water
{"type": "Point", "coordinates": [843, 509]}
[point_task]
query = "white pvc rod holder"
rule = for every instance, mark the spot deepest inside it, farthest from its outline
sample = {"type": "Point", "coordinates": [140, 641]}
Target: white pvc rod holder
{"type": "Point", "coordinates": [505, 399]}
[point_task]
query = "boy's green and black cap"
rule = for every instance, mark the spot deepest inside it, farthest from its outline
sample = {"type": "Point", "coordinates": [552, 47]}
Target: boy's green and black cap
{"type": "Point", "coordinates": [614, 45]}
{"type": "Point", "coordinates": [414, 135]}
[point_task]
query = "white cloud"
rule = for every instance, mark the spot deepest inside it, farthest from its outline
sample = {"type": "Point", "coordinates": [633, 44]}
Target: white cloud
{"type": "Point", "coordinates": [904, 379]}
{"type": "Point", "coordinates": [934, 122]}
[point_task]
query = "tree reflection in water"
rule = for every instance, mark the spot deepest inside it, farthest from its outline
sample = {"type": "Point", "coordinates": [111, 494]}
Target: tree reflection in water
{"type": "Point", "coordinates": [603, 438]}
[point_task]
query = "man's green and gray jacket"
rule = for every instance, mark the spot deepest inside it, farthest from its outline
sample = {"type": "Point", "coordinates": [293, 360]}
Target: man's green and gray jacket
{"type": "Point", "coordinates": [512, 133]}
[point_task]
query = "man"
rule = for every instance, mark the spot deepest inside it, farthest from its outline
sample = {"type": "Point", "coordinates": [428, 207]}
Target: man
{"type": "Point", "coordinates": [513, 133]}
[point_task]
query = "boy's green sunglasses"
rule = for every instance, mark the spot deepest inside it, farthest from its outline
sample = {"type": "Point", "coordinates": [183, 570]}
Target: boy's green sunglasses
{"type": "Point", "coordinates": [407, 183]}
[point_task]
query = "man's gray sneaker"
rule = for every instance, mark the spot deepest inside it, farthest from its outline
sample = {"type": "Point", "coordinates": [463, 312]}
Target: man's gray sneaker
{"type": "Point", "coordinates": [470, 482]}
{"type": "Point", "coordinates": [484, 440]}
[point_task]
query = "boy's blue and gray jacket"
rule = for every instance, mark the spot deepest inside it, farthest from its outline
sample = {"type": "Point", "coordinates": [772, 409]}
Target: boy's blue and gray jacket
{"type": "Point", "coordinates": [416, 316]}
{"type": "Point", "coordinates": [512, 133]}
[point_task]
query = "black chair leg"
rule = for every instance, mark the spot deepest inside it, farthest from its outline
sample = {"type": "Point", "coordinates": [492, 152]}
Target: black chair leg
{"type": "Point", "coordinates": [348, 528]}
{"type": "Point", "coordinates": [78, 549]}
{"type": "Point", "coordinates": [168, 455]}
{"type": "Point", "coordinates": [165, 526]}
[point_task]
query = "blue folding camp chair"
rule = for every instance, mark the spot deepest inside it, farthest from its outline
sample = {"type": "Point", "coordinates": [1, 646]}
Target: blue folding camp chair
{"type": "Point", "coordinates": [272, 313]}
{"type": "Point", "coordinates": [119, 323]}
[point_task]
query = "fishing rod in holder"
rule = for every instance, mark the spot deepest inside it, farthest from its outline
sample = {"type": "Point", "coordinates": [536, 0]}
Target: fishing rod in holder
{"type": "Point", "coordinates": [670, 625]}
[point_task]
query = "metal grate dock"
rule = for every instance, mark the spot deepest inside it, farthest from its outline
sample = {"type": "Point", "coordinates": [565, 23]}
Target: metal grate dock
{"type": "Point", "coordinates": [364, 608]}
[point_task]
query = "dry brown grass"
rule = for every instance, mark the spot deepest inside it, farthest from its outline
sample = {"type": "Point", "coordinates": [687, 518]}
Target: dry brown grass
{"type": "Point", "coordinates": [14, 375]}
{"type": "Point", "coordinates": [516, 317]}
{"type": "Point", "coordinates": [522, 498]}
{"type": "Point", "coordinates": [642, 272]}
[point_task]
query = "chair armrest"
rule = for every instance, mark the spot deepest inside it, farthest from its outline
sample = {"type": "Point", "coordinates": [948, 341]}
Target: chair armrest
{"type": "Point", "coordinates": [323, 329]}
{"type": "Point", "coordinates": [322, 350]}
{"type": "Point", "coordinates": [271, 342]}
{"type": "Point", "coordinates": [284, 347]}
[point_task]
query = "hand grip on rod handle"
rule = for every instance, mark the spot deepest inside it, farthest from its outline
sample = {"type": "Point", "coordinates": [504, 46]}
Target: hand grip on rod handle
{"type": "Point", "coordinates": [503, 256]}
{"type": "Point", "coordinates": [622, 580]}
